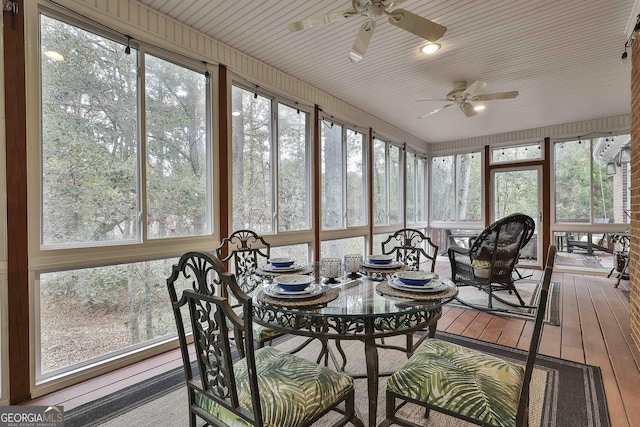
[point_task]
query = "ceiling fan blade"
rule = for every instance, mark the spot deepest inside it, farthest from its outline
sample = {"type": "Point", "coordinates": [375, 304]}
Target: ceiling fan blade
{"type": "Point", "coordinates": [491, 96]}
{"type": "Point", "coordinates": [432, 99]}
{"type": "Point", "coordinates": [315, 21]}
{"type": "Point", "coordinates": [474, 88]}
{"type": "Point", "coordinates": [393, 4]}
{"type": "Point", "coordinates": [434, 111]}
{"type": "Point", "coordinates": [362, 41]}
{"type": "Point", "coordinates": [468, 110]}
{"type": "Point", "coordinates": [417, 25]}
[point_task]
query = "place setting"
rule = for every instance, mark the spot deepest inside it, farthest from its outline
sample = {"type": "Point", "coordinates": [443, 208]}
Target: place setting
{"type": "Point", "coordinates": [381, 266]}
{"type": "Point", "coordinates": [283, 266]}
{"type": "Point", "coordinates": [417, 285]}
{"type": "Point", "coordinates": [296, 290]}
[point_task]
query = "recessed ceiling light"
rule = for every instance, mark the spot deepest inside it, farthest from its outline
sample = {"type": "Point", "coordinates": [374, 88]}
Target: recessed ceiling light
{"type": "Point", "coordinates": [52, 54]}
{"type": "Point", "coordinates": [479, 107]}
{"type": "Point", "coordinates": [430, 48]}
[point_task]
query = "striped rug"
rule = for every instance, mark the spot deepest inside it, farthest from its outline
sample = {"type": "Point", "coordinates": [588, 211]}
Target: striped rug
{"type": "Point", "coordinates": [563, 393]}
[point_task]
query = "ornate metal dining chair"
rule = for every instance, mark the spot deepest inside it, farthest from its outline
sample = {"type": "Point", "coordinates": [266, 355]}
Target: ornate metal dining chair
{"type": "Point", "coordinates": [411, 247]}
{"type": "Point", "coordinates": [466, 383]}
{"type": "Point", "coordinates": [246, 251]}
{"type": "Point", "coordinates": [291, 391]}
{"type": "Point", "coordinates": [489, 262]}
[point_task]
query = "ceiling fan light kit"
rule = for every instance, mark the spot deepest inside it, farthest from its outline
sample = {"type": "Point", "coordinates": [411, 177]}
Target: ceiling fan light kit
{"type": "Point", "coordinates": [463, 95]}
{"type": "Point", "coordinates": [373, 10]}
{"type": "Point", "coordinates": [430, 48]}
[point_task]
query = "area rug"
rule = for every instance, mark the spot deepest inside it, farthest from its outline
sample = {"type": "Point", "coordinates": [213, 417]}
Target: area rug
{"type": "Point", "coordinates": [578, 260]}
{"type": "Point", "coordinates": [563, 393]}
{"type": "Point", "coordinates": [529, 290]}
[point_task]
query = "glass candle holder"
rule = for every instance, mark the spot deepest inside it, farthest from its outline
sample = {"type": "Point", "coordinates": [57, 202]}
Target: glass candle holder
{"type": "Point", "coordinates": [352, 265]}
{"type": "Point", "coordinates": [331, 269]}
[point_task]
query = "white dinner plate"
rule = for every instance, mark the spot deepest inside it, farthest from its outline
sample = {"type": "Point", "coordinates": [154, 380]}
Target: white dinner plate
{"type": "Point", "coordinates": [272, 269]}
{"type": "Point", "coordinates": [432, 287]}
{"type": "Point", "coordinates": [393, 264]}
{"type": "Point", "coordinates": [276, 291]}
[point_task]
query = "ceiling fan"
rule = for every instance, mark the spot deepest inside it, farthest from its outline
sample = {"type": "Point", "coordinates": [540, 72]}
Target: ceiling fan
{"type": "Point", "coordinates": [373, 10]}
{"type": "Point", "coordinates": [462, 95]}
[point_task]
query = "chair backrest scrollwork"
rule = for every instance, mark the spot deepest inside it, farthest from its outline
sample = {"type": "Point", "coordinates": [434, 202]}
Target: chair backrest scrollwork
{"type": "Point", "coordinates": [212, 319]}
{"type": "Point", "coordinates": [246, 251]}
{"type": "Point", "coordinates": [410, 246]}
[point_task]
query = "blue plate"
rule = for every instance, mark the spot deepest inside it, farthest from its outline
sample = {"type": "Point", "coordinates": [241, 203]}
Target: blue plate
{"type": "Point", "coordinates": [294, 282]}
{"type": "Point", "coordinates": [380, 259]}
{"type": "Point", "coordinates": [415, 278]}
{"type": "Point", "coordinates": [282, 262]}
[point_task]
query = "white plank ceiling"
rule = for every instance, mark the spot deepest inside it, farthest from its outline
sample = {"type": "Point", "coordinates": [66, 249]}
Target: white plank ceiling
{"type": "Point", "coordinates": [563, 56]}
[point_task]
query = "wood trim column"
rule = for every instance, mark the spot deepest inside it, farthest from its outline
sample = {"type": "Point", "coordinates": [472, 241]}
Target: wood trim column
{"type": "Point", "coordinates": [370, 188]}
{"type": "Point", "coordinates": [547, 170]}
{"type": "Point", "coordinates": [223, 151]}
{"type": "Point", "coordinates": [487, 186]}
{"type": "Point", "coordinates": [316, 168]}
{"type": "Point", "coordinates": [17, 232]}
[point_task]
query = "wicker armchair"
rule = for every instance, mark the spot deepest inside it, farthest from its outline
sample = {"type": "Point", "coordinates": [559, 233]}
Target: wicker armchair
{"type": "Point", "coordinates": [489, 262]}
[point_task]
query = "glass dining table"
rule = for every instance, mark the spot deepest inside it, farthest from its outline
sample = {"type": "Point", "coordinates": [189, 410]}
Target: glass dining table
{"type": "Point", "coordinates": [360, 309]}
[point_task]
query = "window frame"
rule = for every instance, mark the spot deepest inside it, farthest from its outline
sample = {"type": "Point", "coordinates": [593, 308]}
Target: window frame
{"type": "Point", "coordinates": [274, 156]}
{"type": "Point", "coordinates": [458, 223]}
{"type": "Point", "coordinates": [389, 225]}
{"type": "Point", "coordinates": [328, 121]}
{"type": "Point", "coordinates": [420, 180]}
{"type": "Point", "coordinates": [578, 226]}
{"type": "Point", "coordinates": [51, 258]}
{"type": "Point", "coordinates": [526, 145]}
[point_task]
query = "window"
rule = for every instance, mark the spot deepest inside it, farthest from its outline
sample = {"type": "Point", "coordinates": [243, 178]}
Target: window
{"type": "Point", "coordinates": [343, 159]}
{"type": "Point", "coordinates": [253, 198]}
{"type": "Point", "coordinates": [516, 154]}
{"type": "Point", "coordinates": [271, 163]}
{"type": "Point", "coordinates": [178, 198]}
{"type": "Point", "coordinates": [387, 183]}
{"type": "Point", "coordinates": [416, 188]}
{"type": "Point", "coordinates": [294, 184]}
{"type": "Point", "coordinates": [89, 138]}
{"type": "Point", "coordinates": [462, 172]}
{"type": "Point", "coordinates": [592, 181]}
{"type": "Point", "coordinates": [356, 182]}
{"type": "Point", "coordinates": [124, 305]}
{"type": "Point", "coordinates": [109, 178]}
{"type": "Point", "coordinates": [90, 171]}
{"type": "Point", "coordinates": [339, 247]}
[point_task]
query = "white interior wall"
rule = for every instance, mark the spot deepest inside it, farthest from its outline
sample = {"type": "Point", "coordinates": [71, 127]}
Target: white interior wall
{"type": "Point", "coordinates": [584, 129]}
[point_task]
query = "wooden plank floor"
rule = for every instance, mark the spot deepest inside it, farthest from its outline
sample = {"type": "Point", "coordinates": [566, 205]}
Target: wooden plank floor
{"type": "Point", "coordinates": [594, 329]}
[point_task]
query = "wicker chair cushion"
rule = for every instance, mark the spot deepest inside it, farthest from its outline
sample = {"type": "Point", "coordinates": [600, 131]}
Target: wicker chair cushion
{"type": "Point", "coordinates": [292, 390]}
{"type": "Point", "coordinates": [458, 379]}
